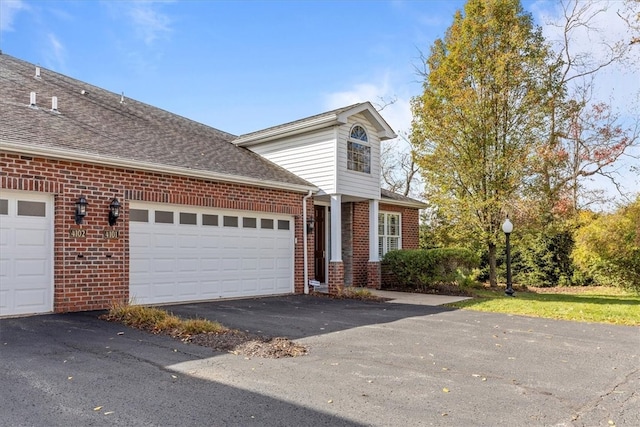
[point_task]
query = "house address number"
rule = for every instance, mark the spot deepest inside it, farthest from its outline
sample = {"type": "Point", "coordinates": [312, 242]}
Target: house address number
{"type": "Point", "coordinates": [110, 234]}
{"type": "Point", "coordinates": [77, 232]}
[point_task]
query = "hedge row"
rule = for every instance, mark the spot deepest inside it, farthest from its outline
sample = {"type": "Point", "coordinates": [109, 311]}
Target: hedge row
{"type": "Point", "coordinates": [421, 269]}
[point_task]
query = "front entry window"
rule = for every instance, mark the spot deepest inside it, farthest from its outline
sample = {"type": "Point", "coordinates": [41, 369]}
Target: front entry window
{"type": "Point", "coordinates": [388, 232]}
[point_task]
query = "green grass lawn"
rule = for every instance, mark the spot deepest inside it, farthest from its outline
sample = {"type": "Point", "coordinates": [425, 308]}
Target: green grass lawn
{"type": "Point", "coordinates": [602, 305]}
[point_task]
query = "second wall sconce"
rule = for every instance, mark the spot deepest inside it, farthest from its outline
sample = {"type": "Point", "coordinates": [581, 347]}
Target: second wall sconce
{"type": "Point", "coordinates": [114, 211]}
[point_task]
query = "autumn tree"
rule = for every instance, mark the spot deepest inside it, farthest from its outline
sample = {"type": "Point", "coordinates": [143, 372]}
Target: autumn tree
{"type": "Point", "coordinates": [480, 115]}
{"type": "Point", "coordinates": [584, 136]}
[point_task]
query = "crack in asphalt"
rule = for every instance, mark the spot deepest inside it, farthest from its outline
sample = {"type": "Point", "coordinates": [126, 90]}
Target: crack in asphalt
{"type": "Point", "coordinates": [597, 403]}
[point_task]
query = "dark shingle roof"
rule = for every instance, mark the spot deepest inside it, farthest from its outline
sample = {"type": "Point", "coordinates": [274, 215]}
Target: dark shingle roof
{"type": "Point", "coordinates": [399, 199]}
{"type": "Point", "coordinates": [97, 123]}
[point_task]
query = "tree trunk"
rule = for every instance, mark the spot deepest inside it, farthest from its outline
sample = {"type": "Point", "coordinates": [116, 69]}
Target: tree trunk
{"type": "Point", "coordinates": [493, 280]}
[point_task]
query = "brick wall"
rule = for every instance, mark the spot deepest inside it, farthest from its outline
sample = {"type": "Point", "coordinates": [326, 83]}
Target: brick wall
{"type": "Point", "coordinates": [92, 272]}
{"type": "Point", "coordinates": [361, 243]}
{"type": "Point", "coordinates": [410, 224]}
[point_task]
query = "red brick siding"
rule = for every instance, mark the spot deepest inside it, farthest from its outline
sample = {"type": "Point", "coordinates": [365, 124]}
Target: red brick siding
{"type": "Point", "coordinates": [92, 273]}
{"type": "Point", "coordinates": [336, 277]}
{"type": "Point", "coordinates": [410, 224]}
{"type": "Point", "coordinates": [360, 257]}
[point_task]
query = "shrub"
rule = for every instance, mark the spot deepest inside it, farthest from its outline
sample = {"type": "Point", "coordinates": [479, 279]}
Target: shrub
{"type": "Point", "coordinates": [608, 248]}
{"type": "Point", "coordinates": [422, 269]}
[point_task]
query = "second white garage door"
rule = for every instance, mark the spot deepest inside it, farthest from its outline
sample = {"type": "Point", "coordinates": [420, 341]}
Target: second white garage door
{"type": "Point", "coordinates": [179, 254]}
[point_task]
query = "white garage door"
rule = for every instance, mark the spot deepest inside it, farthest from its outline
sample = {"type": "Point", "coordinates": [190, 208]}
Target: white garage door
{"type": "Point", "coordinates": [26, 253]}
{"type": "Point", "coordinates": [179, 254]}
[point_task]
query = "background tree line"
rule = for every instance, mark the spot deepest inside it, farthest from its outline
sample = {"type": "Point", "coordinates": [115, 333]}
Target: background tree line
{"type": "Point", "coordinates": [508, 124]}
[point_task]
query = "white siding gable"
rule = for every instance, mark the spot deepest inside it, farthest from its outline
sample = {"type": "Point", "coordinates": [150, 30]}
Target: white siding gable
{"type": "Point", "coordinates": [311, 156]}
{"type": "Point", "coordinates": [353, 183]}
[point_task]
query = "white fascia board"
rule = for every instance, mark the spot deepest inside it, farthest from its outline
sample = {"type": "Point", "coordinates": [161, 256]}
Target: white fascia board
{"type": "Point", "coordinates": [120, 163]}
{"type": "Point", "coordinates": [408, 204]}
{"type": "Point", "coordinates": [384, 130]}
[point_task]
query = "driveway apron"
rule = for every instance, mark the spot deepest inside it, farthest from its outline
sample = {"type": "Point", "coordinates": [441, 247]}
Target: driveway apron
{"type": "Point", "coordinates": [369, 363]}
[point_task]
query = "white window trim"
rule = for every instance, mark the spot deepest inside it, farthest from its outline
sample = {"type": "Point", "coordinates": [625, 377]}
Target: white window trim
{"type": "Point", "coordinates": [384, 248]}
{"type": "Point", "coordinates": [366, 143]}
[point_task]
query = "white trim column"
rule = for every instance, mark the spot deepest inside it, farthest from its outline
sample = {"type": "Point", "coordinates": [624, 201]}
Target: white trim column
{"type": "Point", "coordinates": [336, 227]}
{"type": "Point", "coordinates": [373, 231]}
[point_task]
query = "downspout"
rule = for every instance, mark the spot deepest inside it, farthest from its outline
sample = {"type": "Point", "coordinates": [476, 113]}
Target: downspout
{"type": "Point", "coordinates": [304, 241]}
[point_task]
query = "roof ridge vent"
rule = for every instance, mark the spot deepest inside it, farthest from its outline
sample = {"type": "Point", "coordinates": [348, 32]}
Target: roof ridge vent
{"type": "Point", "coordinates": [37, 76]}
{"type": "Point", "coordinates": [54, 104]}
{"type": "Point", "coordinates": [32, 100]}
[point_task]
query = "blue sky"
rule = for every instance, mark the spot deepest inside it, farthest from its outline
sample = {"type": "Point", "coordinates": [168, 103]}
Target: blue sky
{"type": "Point", "coordinates": [241, 66]}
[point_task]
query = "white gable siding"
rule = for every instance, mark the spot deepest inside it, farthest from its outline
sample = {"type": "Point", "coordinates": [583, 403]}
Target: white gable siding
{"type": "Point", "coordinates": [353, 183]}
{"type": "Point", "coordinates": [311, 156]}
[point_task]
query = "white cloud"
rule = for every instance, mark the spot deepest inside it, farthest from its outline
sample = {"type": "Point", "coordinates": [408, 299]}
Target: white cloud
{"type": "Point", "coordinates": [8, 11]}
{"type": "Point", "coordinates": [55, 54]}
{"type": "Point", "coordinates": [149, 23]}
{"type": "Point", "coordinates": [398, 114]}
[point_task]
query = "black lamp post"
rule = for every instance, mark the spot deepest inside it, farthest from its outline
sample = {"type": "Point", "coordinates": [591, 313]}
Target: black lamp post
{"type": "Point", "coordinates": [507, 227]}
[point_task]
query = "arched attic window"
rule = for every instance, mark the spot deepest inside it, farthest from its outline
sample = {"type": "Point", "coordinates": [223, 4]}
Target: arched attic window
{"type": "Point", "coordinates": [358, 150]}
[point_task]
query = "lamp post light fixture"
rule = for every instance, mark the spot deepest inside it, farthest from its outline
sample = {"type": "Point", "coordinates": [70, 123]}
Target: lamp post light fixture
{"type": "Point", "coordinates": [507, 227]}
{"type": "Point", "coordinates": [114, 211]}
{"type": "Point", "coordinates": [81, 209]}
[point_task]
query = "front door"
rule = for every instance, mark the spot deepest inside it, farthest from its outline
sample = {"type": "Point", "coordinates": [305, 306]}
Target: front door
{"type": "Point", "coordinates": [319, 250]}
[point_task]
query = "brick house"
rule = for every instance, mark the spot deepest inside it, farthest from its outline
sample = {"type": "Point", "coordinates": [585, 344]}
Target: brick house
{"type": "Point", "coordinates": [105, 199]}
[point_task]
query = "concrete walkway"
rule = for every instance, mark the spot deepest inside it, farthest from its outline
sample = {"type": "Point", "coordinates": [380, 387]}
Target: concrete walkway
{"type": "Point", "coordinates": [416, 299]}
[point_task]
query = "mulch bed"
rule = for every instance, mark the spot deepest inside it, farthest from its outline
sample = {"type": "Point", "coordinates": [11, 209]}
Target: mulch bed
{"type": "Point", "coordinates": [243, 344]}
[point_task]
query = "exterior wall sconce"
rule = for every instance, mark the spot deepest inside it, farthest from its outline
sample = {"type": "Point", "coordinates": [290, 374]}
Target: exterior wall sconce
{"type": "Point", "coordinates": [81, 209]}
{"type": "Point", "coordinates": [310, 222]}
{"type": "Point", "coordinates": [114, 211]}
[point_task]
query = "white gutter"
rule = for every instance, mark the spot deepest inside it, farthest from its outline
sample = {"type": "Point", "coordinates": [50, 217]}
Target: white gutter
{"type": "Point", "coordinates": [304, 241]}
{"type": "Point", "coordinates": [73, 155]}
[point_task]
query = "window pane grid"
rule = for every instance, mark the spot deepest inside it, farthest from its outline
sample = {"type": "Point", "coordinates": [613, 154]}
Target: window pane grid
{"type": "Point", "coordinates": [389, 233]}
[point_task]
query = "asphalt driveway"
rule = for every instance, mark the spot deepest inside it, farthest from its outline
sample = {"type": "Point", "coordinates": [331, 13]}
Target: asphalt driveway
{"type": "Point", "coordinates": [369, 363]}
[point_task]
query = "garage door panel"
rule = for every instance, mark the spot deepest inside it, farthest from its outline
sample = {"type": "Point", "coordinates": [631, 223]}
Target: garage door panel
{"type": "Point", "coordinates": [250, 285]}
{"type": "Point", "coordinates": [26, 253]}
{"type": "Point", "coordinates": [230, 264]}
{"type": "Point", "coordinates": [30, 237]}
{"type": "Point", "coordinates": [30, 297]}
{"type": "Point", "coordinates": [4, 237]}
{"type": "Point", "coordinates": [188, 288]}
{"type": "Point", "coordinates": [210, 265]}
{"type": "Point", "coordinates": [249, 263]}
{"type": "Point", "coordinates": [210, 261]}
{"type": "Point", "coordinates": [29, 268]}
{"type": "Point", "coordinates": [164, 240]}
{"type": "Point", "coordinates": [188, 241]}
